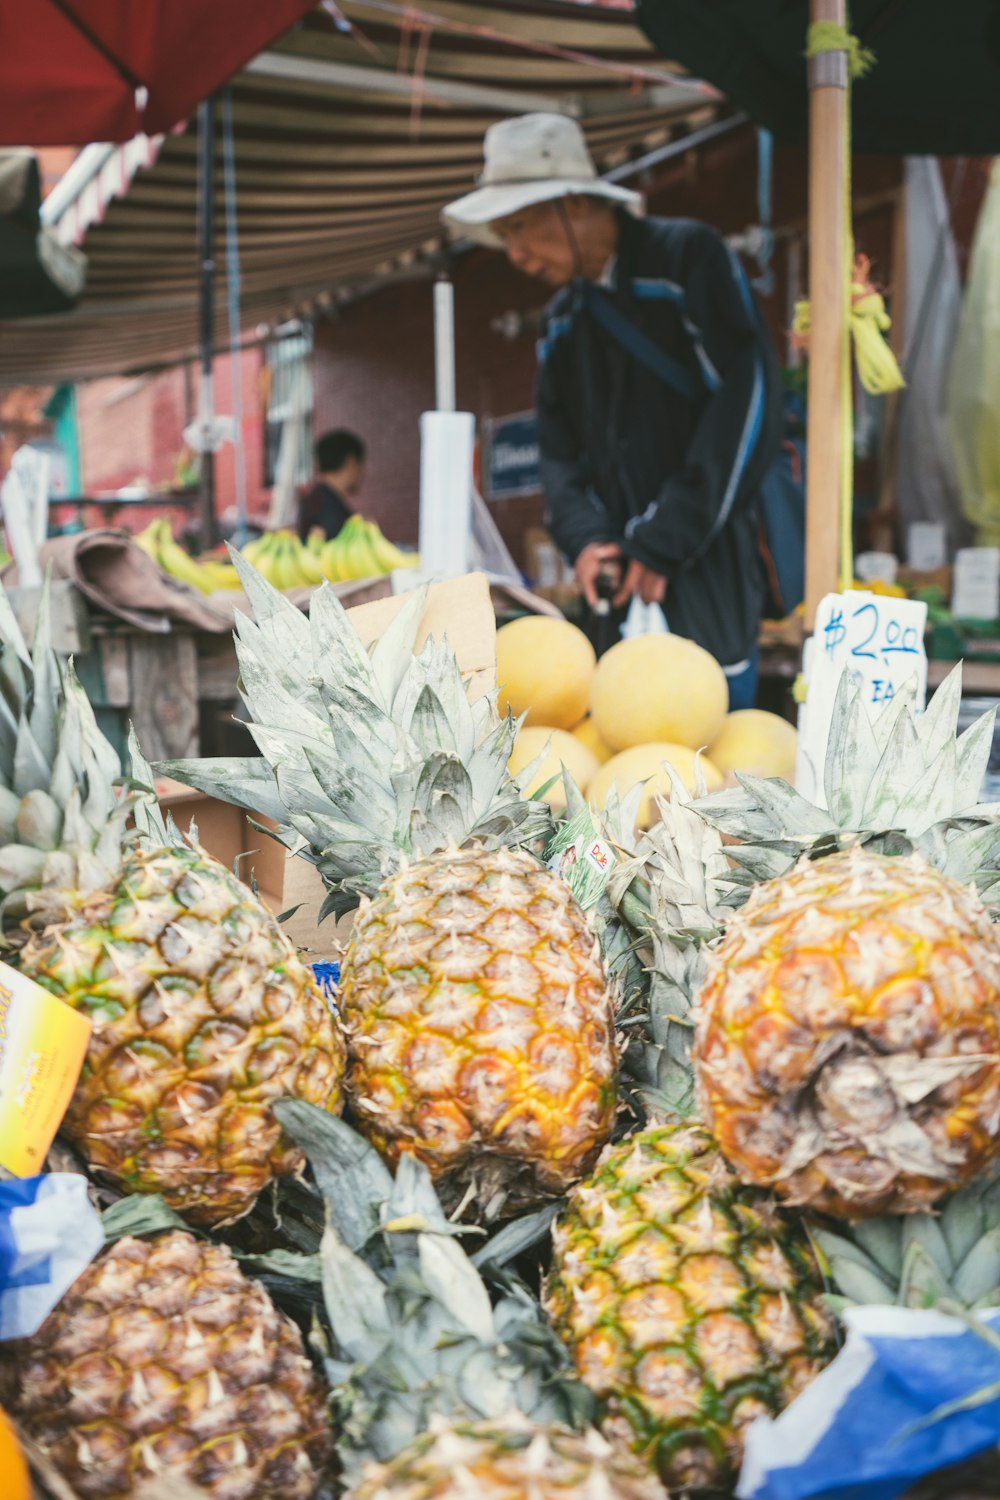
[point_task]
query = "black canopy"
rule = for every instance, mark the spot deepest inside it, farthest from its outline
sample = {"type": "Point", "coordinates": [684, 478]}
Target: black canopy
{"type": "Point", "coordinates": [935, 90]}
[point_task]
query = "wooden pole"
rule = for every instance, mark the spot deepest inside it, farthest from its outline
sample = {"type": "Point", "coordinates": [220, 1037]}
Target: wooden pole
{"type": "Point", "coordinates": [827, 295]}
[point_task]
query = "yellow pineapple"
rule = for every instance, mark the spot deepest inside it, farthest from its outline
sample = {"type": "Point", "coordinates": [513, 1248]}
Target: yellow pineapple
{"type": "Point", "coordinates": [479, 1023]}
{"type": "Point", "coordinates": [202, 1012]}
{"type": "Point", "coordinates": [846, 1016]}
{"type": "Point", "coordinates": [477, 1013]}
{"type": "Point", "coordinates": [848, 1036]}
{"type": "Point", "coordinates": [688, 1302]}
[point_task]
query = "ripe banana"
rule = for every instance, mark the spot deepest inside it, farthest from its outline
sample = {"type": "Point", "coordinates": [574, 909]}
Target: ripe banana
{"type": "Point", "coordinates": [358, 551]}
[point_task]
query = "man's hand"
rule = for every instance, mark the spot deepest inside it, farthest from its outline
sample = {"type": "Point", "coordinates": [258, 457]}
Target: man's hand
{"type": "Point", "coordinates": [651, 587]}
{"type": "Point", "coordinates": [589, 564]}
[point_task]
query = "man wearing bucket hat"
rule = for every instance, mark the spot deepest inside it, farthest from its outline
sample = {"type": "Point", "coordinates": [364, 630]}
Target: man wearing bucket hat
{"type": "Point", "coordinates": [658, 397]}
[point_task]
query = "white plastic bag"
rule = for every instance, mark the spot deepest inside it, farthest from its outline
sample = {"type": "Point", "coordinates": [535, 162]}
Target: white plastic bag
{"type": "Point", "coordinates": [644, 619]}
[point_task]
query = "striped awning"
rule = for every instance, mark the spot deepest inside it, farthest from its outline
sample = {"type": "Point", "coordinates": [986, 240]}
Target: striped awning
{"type": "Point", "coordinates": [350, 135]}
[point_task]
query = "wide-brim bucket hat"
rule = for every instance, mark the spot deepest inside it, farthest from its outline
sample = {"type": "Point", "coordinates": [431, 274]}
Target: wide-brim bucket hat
{"type": "Point", "coordinates": [527, 160]}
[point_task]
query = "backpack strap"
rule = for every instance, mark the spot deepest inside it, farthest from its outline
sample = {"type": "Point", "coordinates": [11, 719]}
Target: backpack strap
{"type": "Point", "coordinates": [639, 344]}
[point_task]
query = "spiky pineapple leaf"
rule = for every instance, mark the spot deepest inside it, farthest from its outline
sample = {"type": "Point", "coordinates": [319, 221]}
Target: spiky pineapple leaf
{"type": "Point", "coordinates": [393, 651]}
{"type": "Point", "coordinates": [350, 1174]}
{"type": "Point", "coordinates": [247, 782]}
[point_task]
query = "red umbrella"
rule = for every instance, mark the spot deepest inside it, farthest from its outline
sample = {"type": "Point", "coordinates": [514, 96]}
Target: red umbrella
{"type": "Point", "coordinates": [74, 71]}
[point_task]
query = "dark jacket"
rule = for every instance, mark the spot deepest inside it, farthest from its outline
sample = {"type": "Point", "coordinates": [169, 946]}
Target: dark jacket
{"type": "Point", "coordinates": [625, 458]}
{"type": "Point", "coordinates": [322, 506]}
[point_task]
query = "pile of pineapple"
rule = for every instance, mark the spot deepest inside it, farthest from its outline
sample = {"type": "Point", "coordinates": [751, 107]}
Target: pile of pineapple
{"type": "Point", "coordinates": [604, 1177]}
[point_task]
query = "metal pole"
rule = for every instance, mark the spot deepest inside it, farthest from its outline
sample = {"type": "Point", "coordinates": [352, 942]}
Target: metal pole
{"type": "Point", "coordinates": [241, 534]}
{"type": "Point", "coordinates": [444, 344]}
{"type": "Point", "coordinates": [206, 256]}
{"type": "Point", "coordinates": [828, 311]}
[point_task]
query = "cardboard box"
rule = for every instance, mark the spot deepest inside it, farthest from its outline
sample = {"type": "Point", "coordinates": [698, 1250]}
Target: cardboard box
{"type": "Point", "coordinates": [460, 609]}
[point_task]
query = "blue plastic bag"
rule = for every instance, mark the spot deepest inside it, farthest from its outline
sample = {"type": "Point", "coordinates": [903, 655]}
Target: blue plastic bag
{"type": "Point", "coordinates": [49, 1233]}
{"type": "Point", "coordinates": [860, 1430]}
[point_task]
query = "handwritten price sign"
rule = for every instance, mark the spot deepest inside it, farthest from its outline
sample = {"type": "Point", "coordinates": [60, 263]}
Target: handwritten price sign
{"type": "Point", "coordinates": [880, 641]}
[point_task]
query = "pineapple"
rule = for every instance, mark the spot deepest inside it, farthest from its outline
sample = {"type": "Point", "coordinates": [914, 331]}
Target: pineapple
{"type": "Point", "coordinates": [60, 820]}
{"type": "Point", "coordinates": [689, 1303]}
{"type": "Point", "coordinates": [440, 1393]}
{"type": "Point", "coordinates": [508, 1460]}
{"type": "Point", "coordinates": [499, 1062]}
{"type": "Point", "coordinates": [847, 1048]}
{"type": "Point", "coordinates": [478, 1017]}
{"type": "Point", "coordinates": [202, 1012]}
{"type": "Point", "coordinates": [164, 1359]}
{"type": "Point", "coordinates": [848, 1036]}
{"type": "Point", "coordinates": [202, 1015]}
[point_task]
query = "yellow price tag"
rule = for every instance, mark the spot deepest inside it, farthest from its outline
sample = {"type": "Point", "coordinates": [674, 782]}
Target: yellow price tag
{"type": "Point", "coordinates": [43, 1043]}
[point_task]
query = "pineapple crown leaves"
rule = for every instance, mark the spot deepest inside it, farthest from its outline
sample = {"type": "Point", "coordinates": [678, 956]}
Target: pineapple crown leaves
{"type": "Point", "coordinates": [919, 1260]}
{"type": "Point", "coordinates": [62, 825]}
{"type": "Point", "coordinates": [154, 830]}
{"type": "Point", "coordinates": [368, 758]}
{"type": "Point", "coordinates": [899, 782]}
{"type": "Point", "coordinates": [667, 890]}
{"type": "Point", "coordinates": [415, 1331]}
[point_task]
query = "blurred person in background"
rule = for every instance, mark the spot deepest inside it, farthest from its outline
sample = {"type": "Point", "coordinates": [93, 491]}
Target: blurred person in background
{"type": "Point", "coordinates": [340, 471]}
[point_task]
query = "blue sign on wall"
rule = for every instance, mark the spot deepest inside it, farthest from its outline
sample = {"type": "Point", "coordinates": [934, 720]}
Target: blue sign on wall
{"type": "Point", "coordinates": [512, 466]}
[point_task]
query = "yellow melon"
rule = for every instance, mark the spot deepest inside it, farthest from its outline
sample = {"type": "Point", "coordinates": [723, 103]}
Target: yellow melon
{"type": "Point", "coordinates": [757, 743]}
{"type": "Point", "coordinates": [544, 669]}
{"type": "Point", "coordinates": [563, 750]}
{"type": "Point", "coordinates": [645, 763]}
{"type": "Point", "coordinates": [658, 687]}
{"type": "Point", "coordinates": [587, 733]}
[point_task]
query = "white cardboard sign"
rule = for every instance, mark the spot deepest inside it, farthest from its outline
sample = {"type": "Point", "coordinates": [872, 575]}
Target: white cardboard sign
{"type": "Point", "coordinates": [880, 641]}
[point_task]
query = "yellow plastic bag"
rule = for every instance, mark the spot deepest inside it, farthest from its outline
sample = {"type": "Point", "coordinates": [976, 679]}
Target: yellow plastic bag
{"type": "Point", "coordinates": [974, 382]}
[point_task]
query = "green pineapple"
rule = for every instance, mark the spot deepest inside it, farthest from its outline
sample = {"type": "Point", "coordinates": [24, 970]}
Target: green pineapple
{"type": "Point", "coordinates": [690, 1304]}
{"type": "Point", "coordinates": [439, 1391]}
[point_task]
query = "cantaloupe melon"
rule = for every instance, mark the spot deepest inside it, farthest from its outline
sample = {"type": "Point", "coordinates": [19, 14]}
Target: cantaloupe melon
{"type": "Point", "coordinates": [645, 763]}
{"type": "Point", "coordinates": [588, 734]}
{"type": "Point", "coordinates": [564, 750]}
{"type": "Point", "coordinates": [544, 670]}
{"type": "Point", "coordinates": [658, 687]}
{"type": "Point", "coordinates": [756, 742]}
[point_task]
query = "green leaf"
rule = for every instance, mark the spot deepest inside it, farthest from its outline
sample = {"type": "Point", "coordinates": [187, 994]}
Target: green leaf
{"type": "Point", "coordinates": [10, 630]}
{"type": "Point", "coordinates": [978, 1276]}
{"type": "Point", "coordinates": [283, 1263]}
{"type": "Point", "coordinates": [141, 1213]}
{"type": "Point", "coordinates": [451, 1277]}
{"type": "Point", "coordinates": [937, 725]}
{"type": "Point", "coordinates": [356, 1301]}
{"type": "Point", "coordinates": [921, 1283]}
{"type": "Point", "coordinates": [246, 782]}
{"type": "Point", "coordinates": [517, 1236]}
{"type": "Point", "coordinates": [973, 752]}
{"type": "Point", "coordinates": [393, 652]}
{"type": "Point", "coordinates": [882, 1239]}
{"type": "Point", "coordinates": [350, 1174]}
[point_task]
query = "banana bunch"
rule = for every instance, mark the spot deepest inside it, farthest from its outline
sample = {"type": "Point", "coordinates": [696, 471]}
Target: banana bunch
{"type": "Point", "coordinates": [207, 575]}
{"type": "Point", "coordinates": [284, 561]}
{"type": "Point", "coordinates": [359, 551]}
